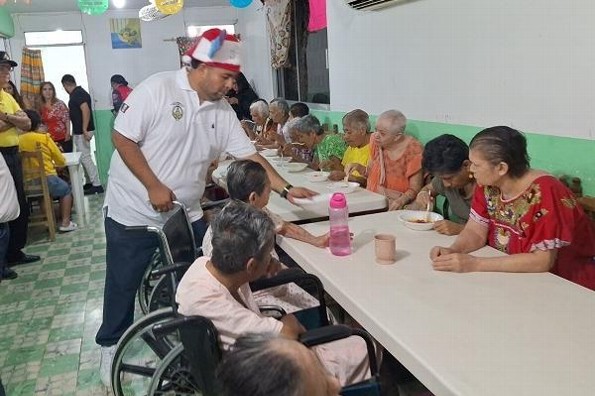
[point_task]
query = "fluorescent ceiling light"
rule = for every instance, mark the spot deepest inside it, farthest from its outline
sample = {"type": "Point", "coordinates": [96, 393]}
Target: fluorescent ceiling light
{"type": "Point", "coordinates": [119, 3]}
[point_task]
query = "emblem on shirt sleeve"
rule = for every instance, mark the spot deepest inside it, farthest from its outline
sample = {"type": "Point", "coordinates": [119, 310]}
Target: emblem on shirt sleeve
{"type": "Point", "coordinates": [177, 111]}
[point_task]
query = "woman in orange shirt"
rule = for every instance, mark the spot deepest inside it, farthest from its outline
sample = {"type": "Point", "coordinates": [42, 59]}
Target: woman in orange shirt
{"type": "Point", "coordinates": [55, 117]}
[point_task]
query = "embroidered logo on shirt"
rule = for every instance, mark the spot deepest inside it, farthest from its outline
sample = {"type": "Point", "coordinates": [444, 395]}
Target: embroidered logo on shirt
{"type": "Point", "coordinates": [177, 111]}
{"type": "Point", "coordinates": [124, 107]}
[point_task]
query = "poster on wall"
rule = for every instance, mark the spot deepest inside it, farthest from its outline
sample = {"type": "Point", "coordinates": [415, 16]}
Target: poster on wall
{"type": "Point", "coordinates": [125, 33]}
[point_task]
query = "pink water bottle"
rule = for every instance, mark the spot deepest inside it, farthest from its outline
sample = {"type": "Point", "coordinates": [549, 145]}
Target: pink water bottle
{"type": "Point", "coordinates": [340, 241]}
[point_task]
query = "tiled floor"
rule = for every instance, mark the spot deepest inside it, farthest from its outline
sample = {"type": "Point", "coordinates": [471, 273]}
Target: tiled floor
{"type": "Point", "coordinates": [50, 313]}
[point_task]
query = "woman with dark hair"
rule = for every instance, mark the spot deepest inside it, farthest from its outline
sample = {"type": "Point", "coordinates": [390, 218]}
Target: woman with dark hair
{"type": "Point", "coordinates": [524, 212]}
{"type": "Point", "coordinates": [446, 158]}
{"type": "Point", "coordinates": [55, 116]}
{"type": "Point", "coordinates": [241, 96]}
{"type": "Point", "coordinates": [10, 88]}
{"type": "Point", "coordinates": [120, 91]}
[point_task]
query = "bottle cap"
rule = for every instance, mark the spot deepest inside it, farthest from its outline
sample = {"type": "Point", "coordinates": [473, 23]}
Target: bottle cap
{"type": "Point", "coordinates": [338, 201]}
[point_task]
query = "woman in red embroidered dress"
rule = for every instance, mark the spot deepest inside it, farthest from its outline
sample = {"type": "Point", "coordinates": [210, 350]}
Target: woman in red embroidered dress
{"type": "Point", "coordinates": [524, 212]}
{"type": "Point", "coordinates": [54, 114]}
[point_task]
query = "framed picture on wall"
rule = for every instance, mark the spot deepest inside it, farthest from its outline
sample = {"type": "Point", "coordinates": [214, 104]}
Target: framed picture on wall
{"type": "Point", "coordinates": [125, 33]}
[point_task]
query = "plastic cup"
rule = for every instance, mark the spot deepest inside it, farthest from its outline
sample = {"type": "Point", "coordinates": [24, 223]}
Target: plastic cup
{"type": "Point", "coordinates": [385, 247]}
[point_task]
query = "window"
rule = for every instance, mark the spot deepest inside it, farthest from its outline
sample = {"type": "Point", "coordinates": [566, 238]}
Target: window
{"type": "Point", "coordinates": [194, 31]}
{"type": "Point", "coordinates": [306, 79]}
{"type": "Point", "coordinates": [58, 37]}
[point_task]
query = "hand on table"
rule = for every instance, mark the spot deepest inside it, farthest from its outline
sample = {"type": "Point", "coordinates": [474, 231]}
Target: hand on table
{"type": "Point", "coordinates": [353, 167]}
{"type": "Point", "coordinates": [336, 176]}
{"type": "Point", "coordinates": [448, 227]}
{"type": "Point", "coordinates": [443, 259]}
{"type": "Point", "coordinates": [300, 192]}
{"type": "Point", "coordinates": [322, 241]}
{"type": "Point", "coordinates": [161, 198]}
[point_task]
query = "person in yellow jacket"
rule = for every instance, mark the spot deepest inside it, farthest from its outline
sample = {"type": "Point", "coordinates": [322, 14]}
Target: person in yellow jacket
{"type": "Point", "coordinates": [52, 158]}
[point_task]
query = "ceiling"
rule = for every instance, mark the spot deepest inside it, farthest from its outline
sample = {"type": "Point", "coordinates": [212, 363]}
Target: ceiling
{"type": "Point", "coordinates": [18, 6]}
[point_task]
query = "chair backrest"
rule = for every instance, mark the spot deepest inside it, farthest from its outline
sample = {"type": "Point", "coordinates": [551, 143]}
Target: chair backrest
{"type": "Point", "coordinates": [35, 181]}
{"type": "Point", "coordinates": [177, 238]}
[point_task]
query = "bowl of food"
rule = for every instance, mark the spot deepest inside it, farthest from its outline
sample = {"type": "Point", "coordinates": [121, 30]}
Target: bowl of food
{"type": "Point", "coordinates": [269, 153]}
{"type": "Point", "coordinates": [295, 167]}
{"type": "Point", "coordinates": [343, 187]}
{"type": "Point", "coordinates": [280, 160]}
{"type": "Point", "coordinates": [420, 220]}
{"type": "Point", "coordinates": [317, 177]}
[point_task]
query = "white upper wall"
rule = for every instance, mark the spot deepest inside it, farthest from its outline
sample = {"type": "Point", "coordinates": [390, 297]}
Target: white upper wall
{"type": "Point", "coordinates": [135, 64]}
{"type": "Point", "coordinates": [525, 63]}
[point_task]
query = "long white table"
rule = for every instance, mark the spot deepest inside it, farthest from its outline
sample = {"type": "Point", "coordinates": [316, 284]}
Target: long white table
{"type": "Point", "coordinates": [359, 201]}
{"type": "Point", "coordinates": [460, 334]}
{"type": "Point", "coordinates": [73, 162]}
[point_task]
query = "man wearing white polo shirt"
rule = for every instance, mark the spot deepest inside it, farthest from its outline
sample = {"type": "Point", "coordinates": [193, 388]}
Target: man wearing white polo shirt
{"type": "Point", "coordinates": [168, 131]}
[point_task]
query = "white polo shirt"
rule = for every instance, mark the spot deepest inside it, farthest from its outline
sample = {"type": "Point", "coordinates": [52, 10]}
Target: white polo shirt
{"type": "Point", "coordinates": [179, 137]}
{"type": "Point", "coordinates": [9, 204]}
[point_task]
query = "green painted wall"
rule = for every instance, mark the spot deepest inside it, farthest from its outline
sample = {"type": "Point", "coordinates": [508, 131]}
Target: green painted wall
{"type": "Point", "coordinates": [6, 24]}
{"type": "Point", "coordinates": [104, 122]}
{"type": "Point", "coordinates": [555, 154]}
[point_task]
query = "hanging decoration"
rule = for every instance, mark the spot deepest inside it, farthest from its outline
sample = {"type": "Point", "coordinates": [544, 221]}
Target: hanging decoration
{"type": "Point", "coordinates": [240, 3]}
{"type": "Point", "coordinates": [93, 7]}
{"type": "Point", "coordinates": [169, 7]}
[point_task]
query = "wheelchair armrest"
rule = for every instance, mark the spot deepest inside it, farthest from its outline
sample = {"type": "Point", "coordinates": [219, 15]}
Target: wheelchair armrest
{"type": "Point", "coordinates": [283, 277]}
{"type": "Point", "coordinates": [179, 322]}
{"type": "Point", "coordinates": [136, 228]}
{"type": "Point", "coordinates": [323, 335]}
{"type": "Point", "coordinates": [277, 311]}
{"type": "Point", "coordinates": [170, 268]}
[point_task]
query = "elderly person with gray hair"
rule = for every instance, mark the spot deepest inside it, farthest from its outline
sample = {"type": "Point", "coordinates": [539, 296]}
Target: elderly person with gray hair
{"type": "Point", "coordinates": [218, 289]}
{"type": "Point", "coordinates": [292, 369]}
{"type": "Point", "coordinates": [328, 148]}
{"type": "Point", "coordinates": [279, 113]}
{"type": "Point", "coordinates": [262, 129]}
{"type": "Point", "coordinates": [395, 161]}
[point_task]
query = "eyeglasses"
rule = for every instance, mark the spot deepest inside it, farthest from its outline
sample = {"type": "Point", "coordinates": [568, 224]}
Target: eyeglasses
{"type": "Point", "coordinates": [6, 68]}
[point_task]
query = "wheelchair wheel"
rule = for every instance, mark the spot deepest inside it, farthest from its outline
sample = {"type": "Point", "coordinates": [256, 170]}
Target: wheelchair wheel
{"type": "Point", "coordinates": [173, 376]}
{"type": "Point", "coordinates": [139, 353]}
{"type": "Point", "coordinates": [160, 295]}
{"type": "Point", "coordinates": [143, 293]}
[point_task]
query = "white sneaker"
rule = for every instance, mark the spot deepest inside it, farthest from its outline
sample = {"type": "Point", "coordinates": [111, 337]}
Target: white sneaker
{"type": "Point", "coordinates": [105, 366]}
{"type": "Point", "coordinates": [70, 227]}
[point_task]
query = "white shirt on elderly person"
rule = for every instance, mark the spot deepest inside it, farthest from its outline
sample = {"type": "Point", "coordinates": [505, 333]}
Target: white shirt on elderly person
{"type": "Point", "coordinates": [9, 204]}
{"type": "Point", "coordinates": [179, 138]}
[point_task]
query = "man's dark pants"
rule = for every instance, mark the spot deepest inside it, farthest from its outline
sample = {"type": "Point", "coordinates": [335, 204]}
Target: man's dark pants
{"type": "Point", "coordinates": [127, 256]}
{"type": "Point", "coordinates": [18, 226]}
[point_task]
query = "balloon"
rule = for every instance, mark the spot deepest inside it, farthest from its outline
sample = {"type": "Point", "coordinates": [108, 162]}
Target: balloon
{"type": "Point", "coordinates": [93, 7]}
{"type": "Point", "coordinates": [240, 3]}
{"type": "Point", "coordinates": [169, 7]}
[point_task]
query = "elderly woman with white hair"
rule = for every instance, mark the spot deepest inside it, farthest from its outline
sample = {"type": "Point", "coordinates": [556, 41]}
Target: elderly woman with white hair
{"type": "Point", "coordinates": [395, 166]}
{"type": "Point", "coordinates": [262, 129]}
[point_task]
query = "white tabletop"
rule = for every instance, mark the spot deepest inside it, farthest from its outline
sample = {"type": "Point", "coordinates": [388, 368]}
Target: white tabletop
{"type": "Point", "coordinates": [72, 158]}
{"type": "Point", "coordinates": [359, 201]}
{"type": "Point", "coordinates": [460, 334]}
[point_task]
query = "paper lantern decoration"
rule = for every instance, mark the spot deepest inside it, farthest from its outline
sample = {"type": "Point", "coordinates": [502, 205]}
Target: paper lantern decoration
{"type": "Point", "coordinates": [93, 7]}
{"type": "Point", "coordinates": [240, 3]}
{"type": "Point", "coordinates": [169, 7]}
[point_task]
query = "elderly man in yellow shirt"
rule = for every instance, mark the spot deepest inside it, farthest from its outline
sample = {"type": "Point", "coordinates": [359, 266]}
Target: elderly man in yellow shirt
{"type": "Point", "coordinates": [52, 158]}
{"type": "Point", "coordinates": [356, 128]}
{"type": "Point", "coordinates": [11, 118]}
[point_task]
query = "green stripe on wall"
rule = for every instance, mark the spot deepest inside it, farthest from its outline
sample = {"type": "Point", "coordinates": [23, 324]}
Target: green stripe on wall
{"type": "Point", "coordinates": [555, 154]}
{"type": "Point", "coordinates": [104, 122]}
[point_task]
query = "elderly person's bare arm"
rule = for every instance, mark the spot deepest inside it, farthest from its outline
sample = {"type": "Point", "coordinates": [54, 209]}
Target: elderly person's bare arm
{"type": "Point", "coordinates": [295, 231]}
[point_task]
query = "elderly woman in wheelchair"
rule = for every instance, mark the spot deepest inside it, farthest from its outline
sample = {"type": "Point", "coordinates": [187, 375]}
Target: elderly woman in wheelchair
{"type": "Point", "coordinates": [218, 289]}
{"type": "Point", "coordinates": [248, 182]}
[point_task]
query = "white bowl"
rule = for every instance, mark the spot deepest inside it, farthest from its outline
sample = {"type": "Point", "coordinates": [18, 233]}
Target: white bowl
{"type": "Point", "coordinates": [317, 177]}
{"type": "Point", "coordinates": [295, 167]}
{"type": "Point", "coordinates": [418, 220]}
{"type": "Point", "coordinates": [280, 160]}
{"type": "Point", "coordinates": [343, 187]}
{"type": "Point", "coordinates": [269, 153]}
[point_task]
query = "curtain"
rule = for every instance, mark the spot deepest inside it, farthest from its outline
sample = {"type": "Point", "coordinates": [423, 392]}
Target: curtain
{"type": "Point", "coordinates": [31, 77]}
{"type": "Point", "coordinates": [278, 14]}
